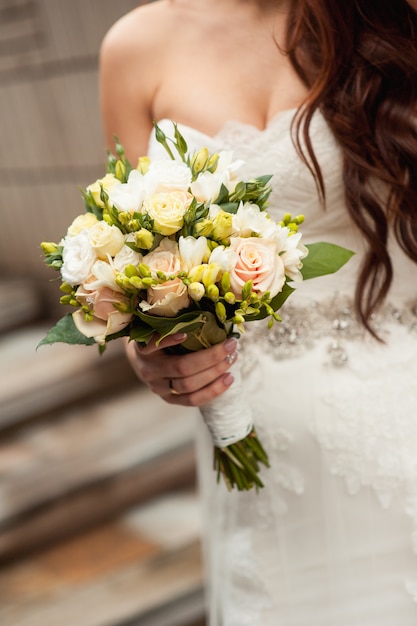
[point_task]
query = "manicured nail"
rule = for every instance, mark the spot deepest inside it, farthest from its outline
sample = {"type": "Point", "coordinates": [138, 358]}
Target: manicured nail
{"type": "Point", "coordinates": [228, 380]}
{"type": "Point", "coordinates": [179, 336]}
{"type": "Point", "coordinates": [230, 344]}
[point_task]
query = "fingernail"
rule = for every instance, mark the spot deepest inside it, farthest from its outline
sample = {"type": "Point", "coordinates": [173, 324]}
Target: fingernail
{"type": "Point", "coordinates": [230, 344]}
{"type": "Point", "coordinates": [179, 336]}
{"type": "Point", "coordinates": [228, 380]}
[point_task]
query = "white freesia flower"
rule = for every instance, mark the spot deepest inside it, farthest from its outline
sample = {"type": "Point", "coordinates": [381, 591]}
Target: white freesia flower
{"type": "Point", "coordinates": [128, 196]}
{"type": "Point", "coordinates": [192, 251]}
{"type": "Point", "coordinates": [282, 234]}
{"type": "Point", "coordinates": [126, 256]}
{"type": "Point", "coordinates": [78, 258]}
{"type": "Point", "coordinates": [225, 258]}
{"type": "Point", "coordinates": [208, 184]}
{"type": "Point", "coordinates": [295, 251]}
{"type": "Point", "coordinates": [249, 219]}
{"type": "Point", "coordinates": [167, 175]}
{"type": "Point", "coordinates": [214, 210]}
{"type": "Point", "coordinates": [105, 239]}
{"type": "Point", "coordinates": [226, 163]}
{"type": "Point", "coordinates": [102, 275]}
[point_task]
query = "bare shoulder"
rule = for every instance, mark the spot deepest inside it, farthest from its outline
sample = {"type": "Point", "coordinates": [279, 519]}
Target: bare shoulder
{"type": "Point", "coordinates": [142, 29]}
{"type": "Point", "coordinates": [132, 62]}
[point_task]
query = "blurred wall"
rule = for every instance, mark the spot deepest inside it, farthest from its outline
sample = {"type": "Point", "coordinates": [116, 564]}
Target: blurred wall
{"type": "Point", "coordinates": [51, 141]}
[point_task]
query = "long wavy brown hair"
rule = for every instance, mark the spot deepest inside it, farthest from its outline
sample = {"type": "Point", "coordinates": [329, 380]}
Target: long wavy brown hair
{"type": "Point", "coordinates": [359, 61]}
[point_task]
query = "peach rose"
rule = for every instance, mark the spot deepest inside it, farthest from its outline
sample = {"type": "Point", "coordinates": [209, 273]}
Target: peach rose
{"type": "Point", "coordinates": [166, 299]}
{"type": "Point", "coordinates": [257, 260]}
{"type": "Point", "coordinates": [107, 320]}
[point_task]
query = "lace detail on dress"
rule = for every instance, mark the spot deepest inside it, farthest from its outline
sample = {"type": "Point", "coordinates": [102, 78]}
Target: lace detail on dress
{"type": "Point", "coordinates": [244, 609]}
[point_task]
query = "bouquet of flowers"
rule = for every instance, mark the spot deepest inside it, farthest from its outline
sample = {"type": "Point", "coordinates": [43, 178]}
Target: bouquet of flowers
{"type": "Point", "coordinates": [182, 244]}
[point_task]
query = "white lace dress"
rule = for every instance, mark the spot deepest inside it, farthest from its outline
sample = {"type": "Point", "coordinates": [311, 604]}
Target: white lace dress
{"type": "Point", "coordinates": [332, 538]}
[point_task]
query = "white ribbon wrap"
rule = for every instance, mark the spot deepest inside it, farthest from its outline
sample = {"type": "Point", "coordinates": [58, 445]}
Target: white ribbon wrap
{"type": "Point", "coordinates": [229, 417]}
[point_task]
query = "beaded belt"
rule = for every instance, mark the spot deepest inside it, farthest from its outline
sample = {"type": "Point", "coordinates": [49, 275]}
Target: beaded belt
{"type": "Point", "coordinates": [333, 319]}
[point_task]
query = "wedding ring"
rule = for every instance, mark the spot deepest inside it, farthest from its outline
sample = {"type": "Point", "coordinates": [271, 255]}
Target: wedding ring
{"type": "Point", "coordinates": [171, 388]}
{"type": "Point", "coordinates": [231, 358]}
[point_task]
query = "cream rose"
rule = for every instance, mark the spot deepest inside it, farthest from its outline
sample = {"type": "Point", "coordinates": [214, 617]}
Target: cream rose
{"type": "Point", "coordinates": [108, 183]}
{"type": "Point", "coordinates": [105, 239]}
{"type": "Point", "coordinates": [257, 260]}
{"type": "Point", "coordinates": [80, 223]}
{"type": "Point", "coordinates": [167, 209]}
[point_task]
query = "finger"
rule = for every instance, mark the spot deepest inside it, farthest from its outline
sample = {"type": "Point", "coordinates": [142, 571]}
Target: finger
{"type": "Point", "coordinates": [200, 379]}
{"type": "Point", "coordinates": [183, 366]}
{"type": "Point", "coordinates": [204, 395]}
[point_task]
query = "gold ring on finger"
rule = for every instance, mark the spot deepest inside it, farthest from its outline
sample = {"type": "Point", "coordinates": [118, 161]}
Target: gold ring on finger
{"type": "Point", "coordinates": [171, 388]}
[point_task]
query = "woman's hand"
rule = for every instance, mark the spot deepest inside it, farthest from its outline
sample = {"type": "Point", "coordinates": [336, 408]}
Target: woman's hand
{"type": "Point", "coordinates": [190, 379]}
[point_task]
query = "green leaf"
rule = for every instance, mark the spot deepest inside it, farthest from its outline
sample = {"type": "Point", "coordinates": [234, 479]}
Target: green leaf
{"type": "Point", "coordinates": [324, 258]}
{"type": "Point", "coordinates": [263, 180]}
{"type": "Point", "coordinates": [223, 195]}
{"type": "Point", "coordinates": [65, 331]}
{"type": "Point", "coordinates": [165, 326]}
{"type": "Point", "coordinates": [229, 207]}
{"type": "Point", "coordinates": [209, 333]}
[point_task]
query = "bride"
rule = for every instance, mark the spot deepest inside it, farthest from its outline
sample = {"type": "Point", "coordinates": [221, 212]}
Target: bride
{"type": "Point", "coordinates": [322, 95]}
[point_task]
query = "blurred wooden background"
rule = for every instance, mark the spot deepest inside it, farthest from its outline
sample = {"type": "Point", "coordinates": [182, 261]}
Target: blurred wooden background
{"type": "Point", "coordinates": [99, 518]}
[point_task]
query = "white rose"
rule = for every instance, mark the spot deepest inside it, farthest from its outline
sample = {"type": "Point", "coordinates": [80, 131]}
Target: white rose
{"type": "Point", "coordinates": [167, 175]}
{"type": "Point", "coordinates": [80, 223]}
{"type": "Point", "coordinates": [291, 257]}
{"type": "Point", "coordinates": [78, 258]}
{"type": "Point", "coordinates": [192, 251]}
{"type": "Point", "coordinates": [105, 239]}
{"type": "Point", "coordinates": [129, 196]}
{"type": "Point", "coordinates": [258, 261]}
{"type": "Point", "coordinates": [249, 219]}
